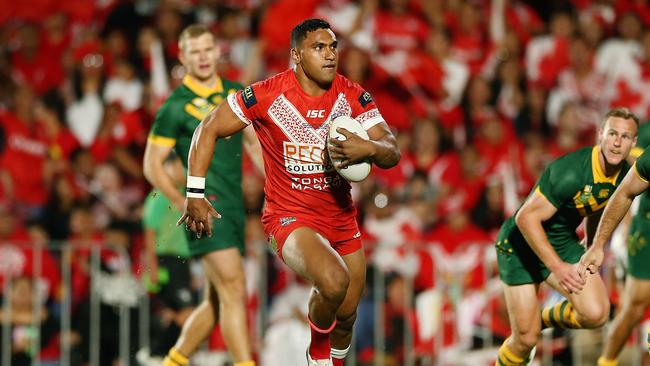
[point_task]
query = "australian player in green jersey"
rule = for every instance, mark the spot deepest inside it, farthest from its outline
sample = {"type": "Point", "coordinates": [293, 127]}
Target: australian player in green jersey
{"type": "Point", "coordinates": [221, 255]}
{"type": "Point", "coordinates": [636, 295]}
{"type": "Point", "coordinates": [539, 243]}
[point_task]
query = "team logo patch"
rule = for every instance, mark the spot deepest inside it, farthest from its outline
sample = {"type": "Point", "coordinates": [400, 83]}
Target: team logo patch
{"type": "Point", "coordinates": [248, 95]}
{"type": "Point", "coordinates": [365, 99]}
{"type": "Point", "coordinates": [284, 221]}
{"type": "Point", "coordinates": [586, 194]}
{"type": "Point", "coordinates": [603, 193]}
{"type": "Point", "coordinates": [635, 243]}
{"type": "Point", "coordinates": [201, 103]}
{"type": "Point", "coordinates": [198, 108]}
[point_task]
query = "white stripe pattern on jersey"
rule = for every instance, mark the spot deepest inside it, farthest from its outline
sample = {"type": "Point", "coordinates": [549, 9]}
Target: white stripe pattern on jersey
{"type": "Point", "coordinates": [286, 116]}
{"type": "Point", "coordinates": [232, 102]}
{"type": "Point", "coordinates": [370, 118]}
{"type": "Point", "coordinates": [341, 108]}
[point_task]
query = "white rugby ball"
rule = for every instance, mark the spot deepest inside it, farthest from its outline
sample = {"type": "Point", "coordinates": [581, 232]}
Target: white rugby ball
{"type": "Point", "coordinates": [358, 171]}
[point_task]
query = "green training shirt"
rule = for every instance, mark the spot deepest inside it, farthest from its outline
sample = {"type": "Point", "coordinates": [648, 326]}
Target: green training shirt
{"type": "Point", "coordinates": [160, 216]}
{"type": "Point", "coordinates": [174, 126]}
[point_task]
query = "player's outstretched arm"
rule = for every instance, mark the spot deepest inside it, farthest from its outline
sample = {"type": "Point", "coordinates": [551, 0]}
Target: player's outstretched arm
{"type": "Point", "coordinates": [617, 206]}
{"type": "Point", "coordinates": [253, 148]}
{"type": "Point", "coordinates": [381, 148]}
{"type": "Point", "coordinates": [529, 219]}
{"type": "Point", "coordinates": [221, 122]}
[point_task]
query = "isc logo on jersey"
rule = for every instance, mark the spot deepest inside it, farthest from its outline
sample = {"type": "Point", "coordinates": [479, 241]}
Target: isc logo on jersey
{"type": "Point", "coordinates": [301, 158]}
{"type": "Point", "coordinates": [316, 113]}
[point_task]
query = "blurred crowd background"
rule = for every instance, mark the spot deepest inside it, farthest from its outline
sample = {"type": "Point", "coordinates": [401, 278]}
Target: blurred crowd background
{"type": "Point", "coordinates": [481, 94]}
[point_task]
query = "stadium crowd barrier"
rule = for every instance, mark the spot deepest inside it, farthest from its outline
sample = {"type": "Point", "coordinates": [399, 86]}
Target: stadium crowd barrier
{"type": "Point", "coordinates": [428, 345]}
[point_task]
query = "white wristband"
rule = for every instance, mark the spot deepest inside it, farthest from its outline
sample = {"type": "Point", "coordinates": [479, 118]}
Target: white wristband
{"type": "Point", "coordinates": [195, 187]}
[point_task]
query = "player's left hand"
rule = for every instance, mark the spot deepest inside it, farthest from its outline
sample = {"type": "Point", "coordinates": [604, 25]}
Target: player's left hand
{"type": "Point", "coordinates": [351, 150]}
{"type": "Point", "coordinates": [591, 261]}
{"type": "Point", "coordinates": [197, 216]}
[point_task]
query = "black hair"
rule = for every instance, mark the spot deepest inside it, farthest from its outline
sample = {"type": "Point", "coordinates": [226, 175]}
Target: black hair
{"type": "Point", "coordinates": [299, 32]}
{"type": "Point", "coordinates": [76, 153]}
{"type": "Point", "coordinates": [53, 101]}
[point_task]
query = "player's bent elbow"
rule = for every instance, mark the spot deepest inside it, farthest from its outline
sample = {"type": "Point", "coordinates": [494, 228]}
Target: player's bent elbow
{"type": "Point", "coordinates": [397, 156]}
{"type": "Point", "coordinates": [520, 218]}
{"type": "Point", "coordinates": [392, 160]}
{"type": "Point", "coordinates": [148, 171]}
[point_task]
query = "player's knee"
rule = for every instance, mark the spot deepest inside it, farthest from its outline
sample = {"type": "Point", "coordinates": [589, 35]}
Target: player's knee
{"type": "Point", "coordinates": [594, 316]}
{"type": "Point", "coordinates": [233, 295]}
{"type": "Point", "coordinates": [231, 290]}
{"type": "Point", "coordinates": [333, 284]}
{"type": "Point", "coordinates": [346, 320]}
{"type": "Point", "coordinates": [524, 342]}
{"type": "Point", "coordinates": [632, 313]}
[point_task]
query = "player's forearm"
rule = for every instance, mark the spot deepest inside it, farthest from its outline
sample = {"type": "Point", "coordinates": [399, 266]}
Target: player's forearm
{"type": "Point", "coordinates": [614, 212]}
{"type": "Point", "coordinates": [202, 148]}
{"type": "Point", "coordinates": [385, 153]}
{"type": "Point", "coordinates": [536, 238]}
{"type": "Point", "coordinates": [155, 174]}
{"type": "Point", "coordinates": [149, 242]}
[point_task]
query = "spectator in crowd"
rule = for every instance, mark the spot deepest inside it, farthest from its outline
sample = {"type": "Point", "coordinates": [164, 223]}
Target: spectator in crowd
{"type": "Point", "coordinates": [27, 327]}
{"type": "Point", "coordinates": [118, 292]}
{"type": "Point", "coordinates": [24, 146]}
{"type": "Point", "coordinates": [85, 106]}
{"type": "Point", "coordinates": [547, 55]}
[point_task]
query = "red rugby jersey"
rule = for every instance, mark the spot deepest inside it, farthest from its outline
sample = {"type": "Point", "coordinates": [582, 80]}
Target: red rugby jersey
{"type": "Point", "coordinates": [292, 127]}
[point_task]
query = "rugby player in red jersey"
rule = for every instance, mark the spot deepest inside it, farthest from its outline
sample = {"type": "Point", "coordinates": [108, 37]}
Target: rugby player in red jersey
{"type": "Point", "coordinates": [309, 215]}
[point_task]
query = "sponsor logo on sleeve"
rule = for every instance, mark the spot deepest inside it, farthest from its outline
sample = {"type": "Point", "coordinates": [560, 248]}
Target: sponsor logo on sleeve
{"type": "Point", "coordinates": [365, 99]}
{"type": "Point", "coordinates": [248, 95]}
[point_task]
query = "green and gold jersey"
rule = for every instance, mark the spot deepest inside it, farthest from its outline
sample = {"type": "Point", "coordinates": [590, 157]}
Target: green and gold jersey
{"type": "Point", "coordinates": [175, 123]}
{"type": "Point", "coordinates": [642, 143]}
{"type": "Point", "coordinates": [160, 216]}
{"type": "Point", "coordinates": [577, 186]}
{"type": "Point", "coordinates": [643, 140]}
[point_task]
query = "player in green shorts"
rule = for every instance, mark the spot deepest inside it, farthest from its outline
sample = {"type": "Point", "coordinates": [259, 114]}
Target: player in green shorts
{"type": "Point", "coordinates": [225, 297]}
{"type": "Point", "coordinates": [539, 243]}
{"type": "Point", "coordinates": [636, 296]}
{"type": "Point", "coordinates": [166, 255]}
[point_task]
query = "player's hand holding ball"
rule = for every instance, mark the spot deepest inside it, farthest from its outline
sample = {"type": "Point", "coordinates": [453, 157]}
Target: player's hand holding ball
{"type": "Point", "coordinates": [349, 148]}
{"type": "Point", "coordinates": [196, 216]}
